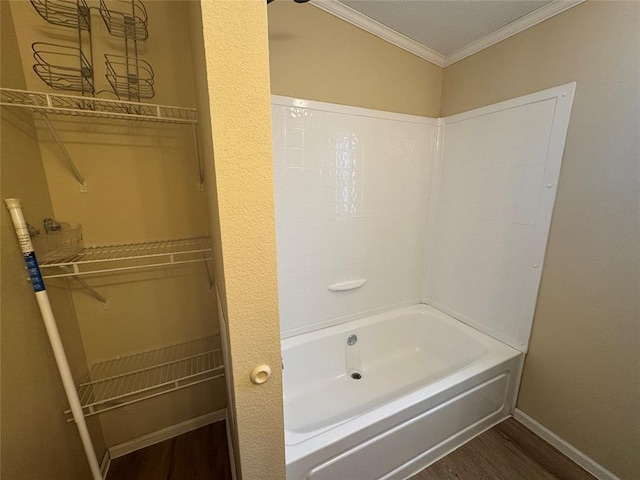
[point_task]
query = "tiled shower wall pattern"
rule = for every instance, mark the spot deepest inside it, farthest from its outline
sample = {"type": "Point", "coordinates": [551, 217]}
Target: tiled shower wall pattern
{"type": "Point", "coordinates": [352, 192]}
{"type": "Point", "coordinates": [490, 228]}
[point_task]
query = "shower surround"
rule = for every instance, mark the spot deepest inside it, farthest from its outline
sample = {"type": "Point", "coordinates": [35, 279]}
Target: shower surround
{"type": "Point", "coordinates": [352, 191]}
{"type": "Point", "coordinates": [393, 232]}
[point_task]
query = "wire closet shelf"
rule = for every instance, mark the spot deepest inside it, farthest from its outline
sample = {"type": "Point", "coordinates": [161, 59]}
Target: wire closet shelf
{"type": "Point", "coordinates": [129, 379]}
{"type": "Point", "coordinates": [126, 256]}
{"type": "Point", "coordinates": [73, 105]}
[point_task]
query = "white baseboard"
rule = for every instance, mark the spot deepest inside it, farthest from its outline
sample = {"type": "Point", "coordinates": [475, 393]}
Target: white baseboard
{"type": "Point", "coordinates": [563, 446]}
{"type": "Point", "coordinates": [105, 464]}
{"type": "Point", "coordinates": [165, 434]}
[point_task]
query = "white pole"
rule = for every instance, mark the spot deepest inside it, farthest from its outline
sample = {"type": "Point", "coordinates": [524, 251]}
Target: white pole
{"type": "Point", "coordinates": [13, 204]}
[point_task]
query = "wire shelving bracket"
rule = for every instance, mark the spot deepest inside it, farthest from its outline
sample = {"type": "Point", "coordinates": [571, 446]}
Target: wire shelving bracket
{"type": "Point", "coordinates": [92, 291]}
{"type": "Point", "coordinates": [65, 154]}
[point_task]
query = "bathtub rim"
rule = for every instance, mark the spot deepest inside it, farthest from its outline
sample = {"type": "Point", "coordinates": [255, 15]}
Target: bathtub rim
{"type": "Point", "coordinates": [298, 445]}
{"type": "Point", "coordinates": [333, 322]}
{"type": "Point", "coordinates": [365, 319]}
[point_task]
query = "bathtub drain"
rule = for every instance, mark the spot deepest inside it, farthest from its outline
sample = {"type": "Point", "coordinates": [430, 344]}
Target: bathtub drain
{"type": "Point", "coordinates": [356, 376]}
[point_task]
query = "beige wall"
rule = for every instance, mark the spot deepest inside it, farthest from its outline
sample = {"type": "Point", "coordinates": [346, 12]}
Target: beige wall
{"type": "Point", "coordinates": [143, 185]}
{"type": "Point", "coordinates": [206, 150]}
{"type": "Point", "coordinates": [316, 56]}
{"type": "Point", "coordinates": [36, 440]}
{"type": "Point", "coordinates": [236, 57]}
{"type": "Point", "coordinates": [582, 373]}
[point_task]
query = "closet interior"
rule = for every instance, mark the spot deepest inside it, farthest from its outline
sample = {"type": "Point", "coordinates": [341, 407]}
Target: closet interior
{"type": "Point", "coordinates": [109, 87]}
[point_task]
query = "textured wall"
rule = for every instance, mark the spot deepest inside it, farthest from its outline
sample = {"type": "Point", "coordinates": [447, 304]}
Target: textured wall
{"type": "Point", "coordinates": [143, 186]}
{"type": "Point", "coordinates": [352, 192]}
{"type": "Point", "coordinates": [316, 56]}
{"type": "Point", "coordinates": [582, 374]}
{"type": "Point", "coordinates": [206, 150]}
{"type": "Point", "coordinates": [37, 442]}
{"type": "Point", "coordinates": [236, 50]}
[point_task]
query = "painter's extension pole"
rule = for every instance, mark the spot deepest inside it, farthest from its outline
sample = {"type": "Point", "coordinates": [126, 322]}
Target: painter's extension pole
{"type": "Point", "coordinates": [13, 204]}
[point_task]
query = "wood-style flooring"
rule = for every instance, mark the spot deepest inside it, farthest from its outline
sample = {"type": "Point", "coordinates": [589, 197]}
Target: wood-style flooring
{"type": "Point", "coordinates": [508, 451]}
{"type": "Point", "coordinates": [198, 455]}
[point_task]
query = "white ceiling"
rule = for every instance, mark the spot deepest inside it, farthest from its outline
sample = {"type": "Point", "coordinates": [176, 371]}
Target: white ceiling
{"type": "Point", "coordinates": [444, 26]}
{"type": "Point", "coordinates": [444, 31]}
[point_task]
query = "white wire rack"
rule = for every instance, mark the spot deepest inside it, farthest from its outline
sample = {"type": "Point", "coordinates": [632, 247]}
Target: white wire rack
{"type": "Point", "coordinates": [128, 256]}
{"type": "Point", "coordinates": [96, 107]}
{"type": "Point", "coordinates": [133, 378]}
{"type": "Point", "coordinates": [73, 105]}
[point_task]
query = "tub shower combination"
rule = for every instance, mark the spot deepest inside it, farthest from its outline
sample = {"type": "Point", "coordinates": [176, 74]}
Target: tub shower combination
{"type": "Point", "coordinates": [410, 252]}
{"type": "Point", "coordinates": [422, 382]}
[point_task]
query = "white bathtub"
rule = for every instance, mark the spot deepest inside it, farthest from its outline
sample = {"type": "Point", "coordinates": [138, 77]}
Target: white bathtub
{"type": "Point", "coordinates": [428, 384]}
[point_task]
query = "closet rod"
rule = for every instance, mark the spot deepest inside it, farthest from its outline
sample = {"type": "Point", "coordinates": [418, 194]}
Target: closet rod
{"type": "Point", "coordinates": [22, 232]}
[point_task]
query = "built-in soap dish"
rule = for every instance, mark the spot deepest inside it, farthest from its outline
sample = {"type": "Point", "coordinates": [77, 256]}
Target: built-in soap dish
{"type": "Point", "coordinates": [350, 285]}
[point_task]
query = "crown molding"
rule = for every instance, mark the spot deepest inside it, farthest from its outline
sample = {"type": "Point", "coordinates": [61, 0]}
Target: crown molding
{"type": "Point", "coordinates": [537, 16]}
{"type": "Point", "coordinates": [360, 20]}
{"type": "Point", "coordinates": [348, 14]}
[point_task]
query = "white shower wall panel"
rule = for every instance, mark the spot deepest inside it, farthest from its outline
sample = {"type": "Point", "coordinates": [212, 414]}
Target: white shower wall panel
{"type": "Point", "coordinates": [352, 188]}
{"type": "Point", "coordinates": [494, 197]}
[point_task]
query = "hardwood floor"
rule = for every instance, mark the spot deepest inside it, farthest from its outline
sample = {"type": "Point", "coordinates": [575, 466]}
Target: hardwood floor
{"type": "Point", "coordinates": [508, 451]}
{"type": "Point", "coordinates": [197, 455]}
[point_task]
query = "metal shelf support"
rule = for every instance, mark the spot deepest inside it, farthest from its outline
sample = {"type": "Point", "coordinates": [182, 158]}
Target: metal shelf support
{"type": "Point", "coordinates": [209, 276]}
{"type": "Point", "coordinates": [65, 154]}
{"type": "Point", "coordinates": [199, 163]}
{"type": "Point", "coordinates": [92, 291]}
